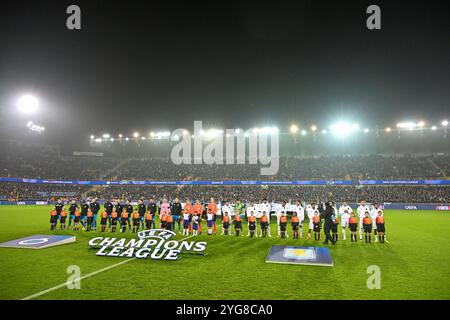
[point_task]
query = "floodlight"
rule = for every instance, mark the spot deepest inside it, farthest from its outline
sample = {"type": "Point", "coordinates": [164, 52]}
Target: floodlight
{"type": "Point", "coordinates": [106, 136]}
{"type": "Point", "coordinates": [303, 132]}
{"type": "Point", "coordinates": [366, 130]}
{"type": "Point", "coordinates": [98, 140]}
{"type": "Point", "coordinates": [293, 128]}
{"type": "Point", "coordinates": [421, 124]}
{"type": "Point", "coordinates": [324, 131]}
{"type": "Point", "coordinates": [342, 129]}
{"type": "Point", "coordinates": [136, 134]}
{"type": "Point", "coordinates": [120, 135]}
{"type": "Point", "coordinates": [444, 123]}
{"type": "Point", "coordinates": [313, 128]}
{"type": "Point", "coordinates": [388, 129]}
{"type": "Point", "coordinates": [433, 128]}
{"type": "Point", "coordinates": [28, 104]}
{"type": "Point", "coordinates": [92, 137]}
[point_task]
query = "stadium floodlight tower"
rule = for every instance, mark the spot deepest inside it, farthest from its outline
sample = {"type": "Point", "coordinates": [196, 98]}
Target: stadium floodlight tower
{"type": "Point", "coordinates": [293, 129]}
{"type": "Point", "coordinates": [343, 129]}
{"type": "Point", "coordinates": [28, 104]}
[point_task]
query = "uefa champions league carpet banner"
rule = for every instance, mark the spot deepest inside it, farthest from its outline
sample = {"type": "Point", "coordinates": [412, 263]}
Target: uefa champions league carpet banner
{"type": "Point", "coordinates": [314, 256]}
{"type": "Point", "coordinates": [38, 242]}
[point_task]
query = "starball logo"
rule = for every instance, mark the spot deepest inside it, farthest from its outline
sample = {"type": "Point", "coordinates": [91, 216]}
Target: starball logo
{"type": "Point", "coordinates": [154, 244]}
{"type": "Point", "coordinates": [229, 147]}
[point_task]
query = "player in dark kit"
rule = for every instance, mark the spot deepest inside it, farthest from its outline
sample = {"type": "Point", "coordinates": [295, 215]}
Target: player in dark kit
{"type": "Point", "coordinates": [141, 209]}
{"type": "Point", "coordinates": [176, 210]}
{"type": "Point", "coordinates": [129, 209]}
{"type": "Point", "coordinates": [334, 228]}
{"type": "Point", "coordinates": [152, 208]}
{"type": "Point", "coordinates": [59, 206]}
{"type": "Point", "coordinates": [328, 214]}
{"type": "Point", "coordinates": [84, 211]}
{"type": "Point", "coordinates": [72, 208]}
{"type": "Point", "coordinates": [95, 208]}
{"type": "Point", "coordinates": [108, 208]}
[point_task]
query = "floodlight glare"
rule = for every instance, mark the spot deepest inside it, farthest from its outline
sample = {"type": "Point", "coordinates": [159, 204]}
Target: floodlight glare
{"type": "Point", "coordinates": [112, 139]}
{"type": "Point", "coordinates": [444, 123]}
{"type": "Point", "coordinates": [106, 136]}
{"type": "Point", "coordinates": [92, 137]}
{"type": "Point", "coordinates": [120, 136]}
{"type": "Point", "coordinates": [313, 128]}
{"type": "Point", "coordinates": [433, 128]}
{"type": "Point", "coordinates": [28, 104]}
{"type": "Point", "coordinates": [324, 131]}
{"type": "Point", "coordinates": [293, 128]}
{"type": "Point", "coordinates": [136, 134]}
{"type": "Point", "coordinates": [366, 130]}
{"type": "Point", "coordinates": [343, 129]}
{"type": "Point", "coordinates": [388, 129]}
{"type": "Point", "coordinates": [303, 132]}
{"type": "Point", "coordinates": [98, 140]}
{"type": "Point", "coordinates": [421, 124]}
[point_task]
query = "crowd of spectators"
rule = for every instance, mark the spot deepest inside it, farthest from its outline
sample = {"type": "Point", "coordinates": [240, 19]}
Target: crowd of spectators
{"type": "Point", "coordinates": [45, 164]}
{"type": "Point", "coordinates": [391, 193]}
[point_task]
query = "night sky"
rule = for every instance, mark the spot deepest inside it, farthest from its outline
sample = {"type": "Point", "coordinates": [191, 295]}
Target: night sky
{"type": "Point", "coordinates": [150, 65]}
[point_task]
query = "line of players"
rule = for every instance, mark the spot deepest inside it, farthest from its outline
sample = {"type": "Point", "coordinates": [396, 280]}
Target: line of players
{"type": "Point", "coordinates": [189, 216]}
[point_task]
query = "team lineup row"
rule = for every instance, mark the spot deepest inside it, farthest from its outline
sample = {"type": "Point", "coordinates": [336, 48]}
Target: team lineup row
{"type": "Point", "coordinates": [189, 216]}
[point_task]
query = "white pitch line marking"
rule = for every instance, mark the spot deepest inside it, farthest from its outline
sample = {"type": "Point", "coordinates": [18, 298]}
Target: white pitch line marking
{"type": "Point", "coordinates": [83, 277]}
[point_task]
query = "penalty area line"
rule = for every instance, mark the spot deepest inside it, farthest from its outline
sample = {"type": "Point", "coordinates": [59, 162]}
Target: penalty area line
{"type": "Point", "coordinates": [82, 277]}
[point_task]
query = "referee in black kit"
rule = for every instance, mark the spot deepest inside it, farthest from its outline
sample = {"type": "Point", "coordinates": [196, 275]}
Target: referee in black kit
{"type": "Point", "coordinates": [328, 214]}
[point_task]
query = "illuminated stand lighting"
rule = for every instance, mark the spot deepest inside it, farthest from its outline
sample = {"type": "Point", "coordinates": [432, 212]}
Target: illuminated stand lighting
{"type": "Point", "coordinates": [343, 129]}
{"type": "Point", "coordinates": [28, 104]}
{"type": "Point", "coordinates": [444, 123]}
{"type": "Point", "coordinates": [293, 129]}
{"type": "Point", "coordinates": [34, 127]}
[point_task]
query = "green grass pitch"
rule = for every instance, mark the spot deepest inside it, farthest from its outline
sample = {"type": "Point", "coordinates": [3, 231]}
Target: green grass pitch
{"type": "Point", "coordinates": [414, 265]}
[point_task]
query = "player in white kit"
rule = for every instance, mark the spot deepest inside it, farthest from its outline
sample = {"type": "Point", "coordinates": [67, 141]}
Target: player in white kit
{"type": "Point", "coordinates": [344, 212]}
{"type": "Point", "coordinates": [310, 209]}
{"type": "Point", "coordinates": [362, 209]}
{"type": "Point", "coordinates": [300, 211]}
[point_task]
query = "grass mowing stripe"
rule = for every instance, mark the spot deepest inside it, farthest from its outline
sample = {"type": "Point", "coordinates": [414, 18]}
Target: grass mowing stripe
{"type": "Point", "coordinates": [83, 277]}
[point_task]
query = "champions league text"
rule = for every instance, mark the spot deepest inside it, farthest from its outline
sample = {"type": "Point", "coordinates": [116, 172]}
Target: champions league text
{"type": "Point", "coordinates": [154, 244]}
